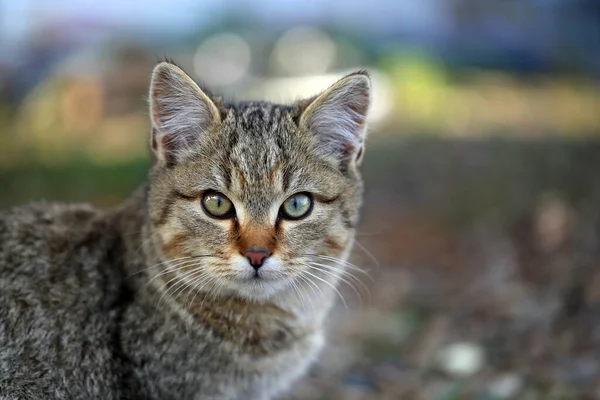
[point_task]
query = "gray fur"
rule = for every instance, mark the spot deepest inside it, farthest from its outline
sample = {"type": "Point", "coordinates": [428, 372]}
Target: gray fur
{"type": "Point", "coordinates": [103, 305]}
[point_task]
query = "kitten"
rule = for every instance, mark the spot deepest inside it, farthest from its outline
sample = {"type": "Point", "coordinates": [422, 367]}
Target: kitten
{"type": "Point", "coordinates": [214, 279]}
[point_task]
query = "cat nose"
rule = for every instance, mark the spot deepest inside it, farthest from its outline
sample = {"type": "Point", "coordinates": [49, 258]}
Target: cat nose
{"type": "Point", "coordinates": [256, 256]}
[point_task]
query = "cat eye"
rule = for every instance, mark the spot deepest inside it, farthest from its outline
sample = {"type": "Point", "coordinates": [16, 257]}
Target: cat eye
{"type": "Point", "coordinates": [217, 205]}
{"type": "Point", "coordinates": [297, 206]}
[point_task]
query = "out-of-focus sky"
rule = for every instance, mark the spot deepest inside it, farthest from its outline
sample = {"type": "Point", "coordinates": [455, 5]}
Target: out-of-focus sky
{"type": "Point", "coordinates": [180, 16]}
{"type": "Point", "coordinates": [528, 25]}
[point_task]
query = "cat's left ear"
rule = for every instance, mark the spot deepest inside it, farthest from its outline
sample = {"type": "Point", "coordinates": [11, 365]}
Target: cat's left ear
{"type": "Point", "coordinates": [181, 113]}
{"type": "Point", "coordinates": [338, 118]}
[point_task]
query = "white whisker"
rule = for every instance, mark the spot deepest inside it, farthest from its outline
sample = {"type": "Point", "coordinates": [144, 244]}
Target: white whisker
{"type": "Point", "coordinates": [180, 279]}
{"type": "Point", "coordinates": [216, 284]}
{"type": "Point", "coordinates": [367, 252]}
{"type": "Point", "coordinates": [158, 265]}
{"type": "Point", "coordinates": [343, 279]}
{"type": "Point", "coordinates": [330, 285]}
{"type": "Point", "coordinates": [297, 290]}
{"type": "Point", "coordinates": [345, 263]}
{"type": "Point", "coordinates": [171, 269]}
{"type": "Point", "coordinates": [343, 273]}
{"type": "Point", "coordinates": [189, 280]}
{"type": "Point", "coordinates": [312, 286]}
{"type": "Point", "coordinates": [169, 261]}
{"type": "Point", "coordinates": [198, 284]}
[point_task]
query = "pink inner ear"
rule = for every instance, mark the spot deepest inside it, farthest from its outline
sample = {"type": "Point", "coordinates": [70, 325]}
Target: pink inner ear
{"type": "Point", "coordinates": [360, 153]}
{"type": "Point", "coordinates": [169, 144]}
{"type": "Point", "coordinates": [346, 149]}
{"type": "Point", "coordinates": [154, 143]}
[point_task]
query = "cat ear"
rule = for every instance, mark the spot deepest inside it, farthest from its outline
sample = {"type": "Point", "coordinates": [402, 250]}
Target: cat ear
{"type": "Point", "coordinates": [337, 117]}
{"type": "Point", "coordinates": [180, 111]}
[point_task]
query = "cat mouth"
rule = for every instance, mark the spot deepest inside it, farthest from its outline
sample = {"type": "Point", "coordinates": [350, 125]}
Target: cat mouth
{"type": "Point", "coordinates": [259, 277]}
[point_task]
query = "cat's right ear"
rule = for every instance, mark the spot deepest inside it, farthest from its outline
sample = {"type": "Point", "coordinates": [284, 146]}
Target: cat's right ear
{"type": "Point", "coordinates": [338, 118]}
{"type": "Point", "coordinates": [180, 112]}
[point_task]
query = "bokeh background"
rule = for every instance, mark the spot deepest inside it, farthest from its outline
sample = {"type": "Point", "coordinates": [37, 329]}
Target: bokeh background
{"type": "Point", "coordinates": [481, 225]}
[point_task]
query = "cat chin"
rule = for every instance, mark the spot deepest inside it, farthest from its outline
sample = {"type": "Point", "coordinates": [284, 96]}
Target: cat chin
{"type": "Point", "coordinates": [258, 293]}
{"type": "Point", "coordinates": [256, 289]}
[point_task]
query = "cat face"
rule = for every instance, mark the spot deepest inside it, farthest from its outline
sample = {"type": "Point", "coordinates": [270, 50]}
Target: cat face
{"type": "Point", "coordinates": [248, 198]}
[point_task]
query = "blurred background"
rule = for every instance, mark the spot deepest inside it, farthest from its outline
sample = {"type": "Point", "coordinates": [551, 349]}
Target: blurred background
{"type": "Point", "coordinates": [481, 225]}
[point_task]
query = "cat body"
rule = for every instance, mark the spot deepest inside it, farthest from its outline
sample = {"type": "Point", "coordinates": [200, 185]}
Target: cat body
{"type": "Point", "coordinates": [71, 328]}
{"type": "Point", "coordinates": [213, 281]}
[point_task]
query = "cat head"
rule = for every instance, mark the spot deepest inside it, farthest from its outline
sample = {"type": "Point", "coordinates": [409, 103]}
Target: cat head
{"type": "Point", "coordinates": [247, 198]}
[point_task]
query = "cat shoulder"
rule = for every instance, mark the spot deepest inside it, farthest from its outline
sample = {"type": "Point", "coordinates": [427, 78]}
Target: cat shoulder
{"type": "Point", "coordinates": [35, 218]}
{"type": "Point", "coordinates": [37, 229]}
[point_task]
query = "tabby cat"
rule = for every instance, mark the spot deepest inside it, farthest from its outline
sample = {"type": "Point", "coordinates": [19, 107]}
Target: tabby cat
{"type": "Point", "coordinates": [214, 279]}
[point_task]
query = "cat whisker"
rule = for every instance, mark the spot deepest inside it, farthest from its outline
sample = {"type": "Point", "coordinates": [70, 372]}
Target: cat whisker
{"type": "Point", "coordinates": [215, 288]}
{"type": "Point", "coordinates": [215, 284]}
{"type": "Point", "coordinates": [363, 234]}
{"type": "Point", "coordinates": [179, 279]}
{"type": "Point", "coordinates": [367, 252]}
{"type": "Point", "coordinates": [194, 284]}
{"type": "Point", "coordinates": [171, 269]}
{"type": "Point", "coordinates": [343, 273]}
{"type": "Point", "coordinates": [176, 267]}
{"type": "Point", "coordinates": [311, 285]}
{"type": "Point", "coordinates": [344, 263]}
{"type": "Point", "coordinates": [339, 261]}
{"type": "Point", "coordinates": [330, 285]}
{"type": "Point", "coordinates": [303, 300]}
{"type": "Point", "coordinates": [340, 277]}
{"type": "Point", "coordinates": [168, 261]}
{"type": "Point", "coordinates": [175, 261]}
{"type": "Point", "coordinates": [316, 290]}
{"type": "Point", "coordinates": [297, 290]}
{"type": "Point", "coordinates": [199, 286]}
{"type": "Point", "coordinates": [189, 281]}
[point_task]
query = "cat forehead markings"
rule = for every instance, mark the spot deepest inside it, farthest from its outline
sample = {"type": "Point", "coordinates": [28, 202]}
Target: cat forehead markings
{"type": "Point", "coordinates": [257, 135]}
{"type": "Point", "coordinates": [260, 130]}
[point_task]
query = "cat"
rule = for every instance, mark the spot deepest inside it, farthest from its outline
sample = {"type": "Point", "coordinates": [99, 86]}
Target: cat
{"type": "Point", "coordinates": [214, 279]}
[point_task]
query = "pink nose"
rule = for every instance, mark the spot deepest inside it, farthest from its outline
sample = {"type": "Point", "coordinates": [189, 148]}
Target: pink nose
{"type": "Point", "coordinates": [256, 256]}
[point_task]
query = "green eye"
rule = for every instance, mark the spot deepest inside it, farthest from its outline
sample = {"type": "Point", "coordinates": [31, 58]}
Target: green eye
{"type": "Point", "coordinates": [216, 205]}
{"type": "Point", "coordinates": [297, 206]}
